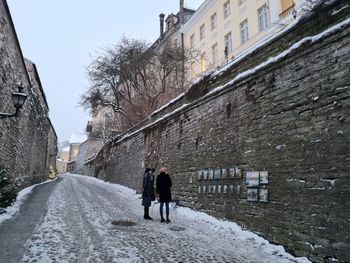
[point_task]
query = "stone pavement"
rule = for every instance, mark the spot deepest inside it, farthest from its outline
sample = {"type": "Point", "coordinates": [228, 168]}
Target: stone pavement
{"type": "Point", "coordinates": [15, 232]}
{"type": "Point", "coordinates": [77, 227]}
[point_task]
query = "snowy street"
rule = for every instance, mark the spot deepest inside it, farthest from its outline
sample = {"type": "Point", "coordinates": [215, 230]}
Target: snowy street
{"type": "Point", "coordinates": [77, 227]}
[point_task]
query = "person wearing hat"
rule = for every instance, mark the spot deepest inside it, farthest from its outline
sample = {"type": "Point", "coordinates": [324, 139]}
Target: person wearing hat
{"type": "Point", "coordinates": [148, 191]}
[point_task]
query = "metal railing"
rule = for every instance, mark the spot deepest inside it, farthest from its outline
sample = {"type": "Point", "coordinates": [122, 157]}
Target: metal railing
{"type": "Point", "coordinates": [287, 12]}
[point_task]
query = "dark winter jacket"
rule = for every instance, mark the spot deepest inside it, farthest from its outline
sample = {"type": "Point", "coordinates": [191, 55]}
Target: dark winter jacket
{"type": "Point", "coordinates": [163, 187]}
{"type": "Point", "coordinates": [148, 189]}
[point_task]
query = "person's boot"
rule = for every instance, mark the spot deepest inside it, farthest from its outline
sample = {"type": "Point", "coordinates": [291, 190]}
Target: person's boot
{"type": "Point", "coordinates": [162, 219]}
{"type": "Point", "coordinates": [167, 220]}
{"type": "Point", "coordinates": [146, 216]}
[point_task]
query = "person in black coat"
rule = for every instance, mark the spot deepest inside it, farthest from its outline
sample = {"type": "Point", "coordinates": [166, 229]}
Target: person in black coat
{"type": "Point", "coordinates": [163, 190]}
{"type": "Point", "coordinates": [148, 192]}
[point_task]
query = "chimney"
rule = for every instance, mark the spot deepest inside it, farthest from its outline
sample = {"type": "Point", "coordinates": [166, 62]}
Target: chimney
{"type": "Point", "coordinates": [182, 4]}
{"type": "Point", "coordinates": [161, 20]}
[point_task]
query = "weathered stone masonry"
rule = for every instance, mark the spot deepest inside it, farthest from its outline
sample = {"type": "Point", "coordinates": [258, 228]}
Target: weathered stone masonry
{"type": "Point", "coordinates": [27, 142]}
{"type": "Point", "coordinates": [289, 118]}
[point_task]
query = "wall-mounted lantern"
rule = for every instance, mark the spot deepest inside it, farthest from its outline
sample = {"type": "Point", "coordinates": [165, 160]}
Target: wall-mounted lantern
{"type": "Point", "coordinates": [294, 13]}
{"type": "Point", "coordinates": [18, 99]}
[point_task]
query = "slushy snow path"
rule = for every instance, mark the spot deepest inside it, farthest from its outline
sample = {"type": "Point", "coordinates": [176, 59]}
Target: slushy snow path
{"type": "Point", "coordinates": [77, 228]}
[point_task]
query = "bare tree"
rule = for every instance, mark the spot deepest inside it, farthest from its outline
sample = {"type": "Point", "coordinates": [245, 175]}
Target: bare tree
{"type": "Point", "coordinates": [134, 79]}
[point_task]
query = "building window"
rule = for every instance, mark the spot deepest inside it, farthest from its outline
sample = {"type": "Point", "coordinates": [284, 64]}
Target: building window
{"type": "Point", "coordinates": [214, 52]}
{"type": "Point", "coordinates": [263, 17]}
{"type": "Point", "coordinates": [228, 44]}
{"type": "Point", "coordinates": [227, 9]}
{"type": "Point", "coordinates": [203, 62]}
{"type": "Point", "coordinates": [202, 32]}
{"type": "Point", "coordinates": [193, 70]}
{"type": "Point", "coordinates": [244, 31]}
{"type": "Point", "coordinates": [192, 41]}
{"type": "Point", "coordinates": [213, 21]}
{"type": "Point", "coordinates": [240, 2]}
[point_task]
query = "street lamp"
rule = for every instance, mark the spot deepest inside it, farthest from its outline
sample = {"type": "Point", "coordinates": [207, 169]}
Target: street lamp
{"type": "Point", "coordinates": [18, 99]}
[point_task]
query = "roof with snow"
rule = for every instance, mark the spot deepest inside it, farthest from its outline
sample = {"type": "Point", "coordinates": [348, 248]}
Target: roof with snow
{"type": "Point", "coordinates": [78, 138]}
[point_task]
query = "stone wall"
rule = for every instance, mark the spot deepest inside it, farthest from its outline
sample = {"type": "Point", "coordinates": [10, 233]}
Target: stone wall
{"type": "Point", "coordinates": [30, 134]}
{"type": "Point", "coordinates": [285, 122]}
{"type": "Point", "coordinates": [86, 150]}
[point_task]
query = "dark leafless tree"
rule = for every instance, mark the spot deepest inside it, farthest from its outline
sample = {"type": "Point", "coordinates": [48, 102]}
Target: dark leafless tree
{"type": "Point", "coordinates": [134, 79]}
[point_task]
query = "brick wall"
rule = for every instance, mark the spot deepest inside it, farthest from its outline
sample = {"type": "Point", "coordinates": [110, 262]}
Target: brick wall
{"type": "Point", "coordinates": [30, 133]}
{"type": "Point", "coordinates": [287, 120]}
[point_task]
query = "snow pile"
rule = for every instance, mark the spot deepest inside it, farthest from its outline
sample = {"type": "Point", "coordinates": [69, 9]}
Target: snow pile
{"type": "Point", "coordinates": [15, 207]}
{"type": "Point", "coordinates": [243, 235]}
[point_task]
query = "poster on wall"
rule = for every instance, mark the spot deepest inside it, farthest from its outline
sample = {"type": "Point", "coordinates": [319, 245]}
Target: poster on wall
{"type": "Point", "coordinates": [231, 172]}
{"type": "Point", "coordinates": [204, 189]}
{"type": "Point", "coordinates": [210, 174]}
{"type": "Point", "coordinates": [200, 175]}
{"type": "Point", "coordinates": [252, 179]}
{"type": "Point", "coordinates": [232, 188]}
{"type": "Point", "coordinates": [190, 179]}
{"type": "Point", "coordinates": [217, 174]}
{"type": "Point", "coordinates": [238, 172]}
{"type": "Point", "coordinates": [199, 189]}
{"type": "Point", "coordinates": [224, 173]}
{"type": "Point", "coordinates": [219, 189]}
{"type": "Point", "coordinates": [205, 174]}
{"type": "Point", "coordinates": [264, 177]}
{"type": "Point", "coordinates": [209, 189]}
{"type": "Point", "coordinates": [263, 195]}
{"type": "Point", "coordinates": [213, 189]}
{"type": "Point", "coordinates": [252, 195]}
{"type": "Point", "coordinates": [224, 189]}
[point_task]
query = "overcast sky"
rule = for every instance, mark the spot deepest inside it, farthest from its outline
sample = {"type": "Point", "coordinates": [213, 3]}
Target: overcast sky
{"type": "Point", "coordinates": [60, 35]}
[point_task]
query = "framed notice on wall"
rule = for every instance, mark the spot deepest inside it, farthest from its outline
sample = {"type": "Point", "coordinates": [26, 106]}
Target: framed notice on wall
{"type": "Point", "coordinates": [231, 172]}
{"type": "Point", "coordinates": [252, 195]}
{"type": "Point", "coordinates": [217, 174]}
{"type": "Point", "coordinates": [252, 179]}
{"type": "Point", "coordinates": [264, 177]}
{"type": "Point", "coordinates": [205, 174]}
{"type": "Point", "coordinates": [200, 175]}
{"type": "Point", "coordinates": [263, 195]}
{"type": "Point", "coordinates": [238, 172]}
{"type": "Point", "coordinates": [210, 174]}
{"type": "Point", "coordinates": [224, 173]}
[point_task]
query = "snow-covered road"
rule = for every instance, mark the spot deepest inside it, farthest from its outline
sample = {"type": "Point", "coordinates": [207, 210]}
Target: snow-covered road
{"type": "Point", "coordinates": [78, 228]}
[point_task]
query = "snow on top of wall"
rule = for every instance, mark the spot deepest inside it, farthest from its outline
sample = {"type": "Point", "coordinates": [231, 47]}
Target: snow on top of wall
{"type": "Point", "coordinates": [168, 104]}
{"type": "Point", "coordinates": [283, 54]}
{"type": "Point", "coordinates": [306, 6]}
{"type": "Point", "coordinates": [78, 138]}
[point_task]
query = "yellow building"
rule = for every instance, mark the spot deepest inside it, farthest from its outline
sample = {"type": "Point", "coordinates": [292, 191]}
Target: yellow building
{"type": "Point", "coordinates": [223, 29]}
{"type": "Point", "coordinates": [61, 162]}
